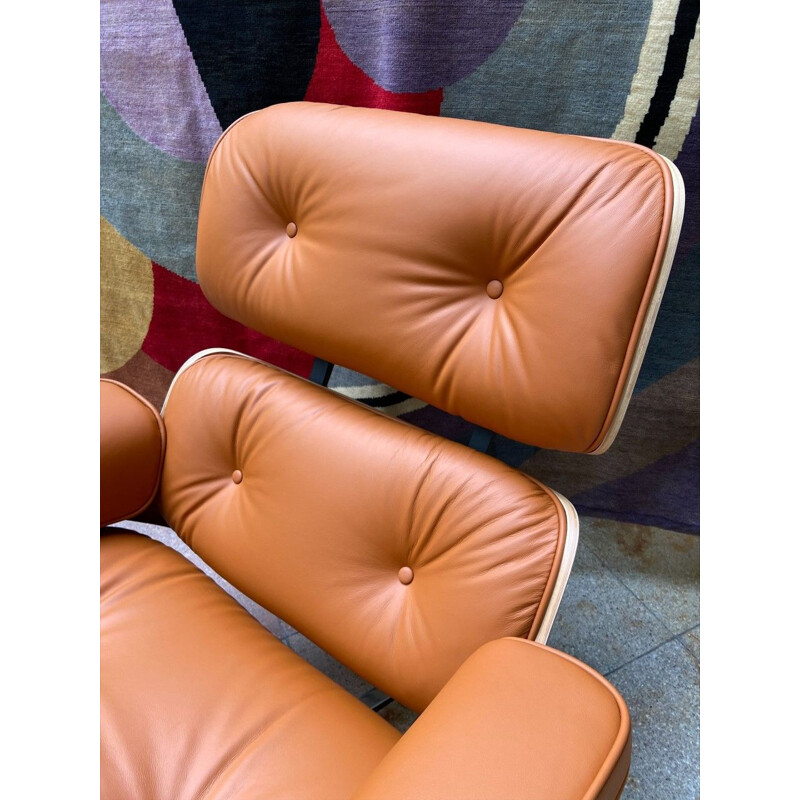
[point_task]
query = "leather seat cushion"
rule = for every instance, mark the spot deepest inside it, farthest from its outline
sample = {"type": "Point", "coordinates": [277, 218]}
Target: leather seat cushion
{"type": "Point", "coordinates": [198, 700]}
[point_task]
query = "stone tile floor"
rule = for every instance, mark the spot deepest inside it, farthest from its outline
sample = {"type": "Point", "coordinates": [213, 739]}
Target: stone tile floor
{"type": "Point", "coordinates": [631, 610]}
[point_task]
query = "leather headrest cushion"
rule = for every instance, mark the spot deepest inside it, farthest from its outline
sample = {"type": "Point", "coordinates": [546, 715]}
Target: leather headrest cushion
{"type": "Point", "coordinates": [501, 274]}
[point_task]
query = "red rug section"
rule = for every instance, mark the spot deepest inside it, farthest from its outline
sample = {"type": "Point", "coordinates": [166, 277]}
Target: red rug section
{"type": "Point", "coordinates": [336, 79]}
{"type": "Point", "coordinates": [184, 322]}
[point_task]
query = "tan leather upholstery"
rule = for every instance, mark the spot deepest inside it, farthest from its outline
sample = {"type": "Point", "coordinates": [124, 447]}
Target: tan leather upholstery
{"type": "Point", "coordinates": [504, 275]}
{"type": "Point", "coordinates": [518, 720]}
{"type": "Point", "coordinates": [132, 440]}
{"type": "Point", "coordinates": [508, 276]}
{"type": "Point", "coordinates": [396, 551]}
{"type": "Point", "coordinates": [199, 701]}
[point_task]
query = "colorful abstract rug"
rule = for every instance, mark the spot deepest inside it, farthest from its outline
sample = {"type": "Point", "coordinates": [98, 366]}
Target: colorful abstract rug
{"type": "Point", "coordinates": [175, 74]}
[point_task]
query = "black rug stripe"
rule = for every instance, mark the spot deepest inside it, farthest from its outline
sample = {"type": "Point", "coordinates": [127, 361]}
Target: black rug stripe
{"type": "Point", "coordinates": [674, 67]}
{"type": "Point", "coordinates": [386, 400]}
{"type": "Point", "coordinates": [253, 53]}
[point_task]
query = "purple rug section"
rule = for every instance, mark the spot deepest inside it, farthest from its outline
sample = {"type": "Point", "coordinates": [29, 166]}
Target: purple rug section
{"type": "Point", "coordinates": [670, 486]}
{"type": "Point", "coordinates": [419, 45]}
{"type": "Point", "coordinates": [148, 75]}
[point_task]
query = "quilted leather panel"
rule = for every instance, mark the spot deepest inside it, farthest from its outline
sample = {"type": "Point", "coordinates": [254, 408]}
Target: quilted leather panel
{"type": "Point", "coordinates": [312, 505]}
{"type": "Point", "coordinates": [501, 274]}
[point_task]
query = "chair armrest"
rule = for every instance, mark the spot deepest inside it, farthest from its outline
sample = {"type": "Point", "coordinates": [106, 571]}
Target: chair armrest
{"type": "Point", "coordinates": [517, 720]}
{"type": "Point", "coordinates": [132, 443]}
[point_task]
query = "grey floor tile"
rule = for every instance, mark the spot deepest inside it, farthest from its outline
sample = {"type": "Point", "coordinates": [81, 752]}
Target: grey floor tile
{"type": "Point", "coordinates": [327, 664]}
{"type": "Point", "coordinates": [399, 716]}
{"type": "Point", "coordinates": [277, 627]}
{"type": "Point", "coordinates": [662, 690]}
{"type": "Point", "coordinates": [691, 641]}
{"type": "Point", "coordinates": [600, 621]}
{"type": "Point", "coordinates": [662, 568]}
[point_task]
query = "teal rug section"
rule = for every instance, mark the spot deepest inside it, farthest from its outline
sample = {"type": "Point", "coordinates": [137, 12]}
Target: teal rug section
{"type": "Point", "coordinates": [149, 196]}
{"type": "Point", "coordinates": [563, 67]}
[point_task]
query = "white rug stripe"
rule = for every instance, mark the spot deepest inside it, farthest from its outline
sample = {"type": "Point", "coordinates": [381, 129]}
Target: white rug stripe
{"type": "Point", "coordinates": [364, 392]}
{"type": "Point", "coordinates": [651, 65]}
{"type": "Point", "coordinates": [378, 390]}
{"type": "Point", "coordinates": [675, 129]}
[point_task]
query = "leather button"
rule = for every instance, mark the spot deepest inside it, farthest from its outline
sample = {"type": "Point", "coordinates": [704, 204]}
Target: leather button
{"type": "Point", "coordinates": [237, 476]}
{"type": "Point", "coordinates": [291, 230]}
{"type": "Point", "coordinates": [406, 575]}
{"type": "Point", "coordinates": [494, 289]}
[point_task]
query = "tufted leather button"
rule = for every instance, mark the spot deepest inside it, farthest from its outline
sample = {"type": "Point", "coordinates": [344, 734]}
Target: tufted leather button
{"type": "Point", "coordinates": [237, 476]}
{"type": "Point", "coordinates": [494, 289]}
{"type": "Point", "coordinates": [291, 230]}
{"type": "Point", "coordinates": [406, 575]}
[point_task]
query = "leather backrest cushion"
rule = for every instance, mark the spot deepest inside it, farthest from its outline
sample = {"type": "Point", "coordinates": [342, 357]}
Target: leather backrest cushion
{"type": "Point", "coordinates": [322, 509]}
{"type": "Point", "coordinates": [501, 274]}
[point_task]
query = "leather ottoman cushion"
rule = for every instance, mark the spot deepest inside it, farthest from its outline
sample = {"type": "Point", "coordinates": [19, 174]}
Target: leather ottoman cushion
{"type": "Point", "coordinates": [507, 276]}
{"type": "Point", "coordinates": [198, 700]}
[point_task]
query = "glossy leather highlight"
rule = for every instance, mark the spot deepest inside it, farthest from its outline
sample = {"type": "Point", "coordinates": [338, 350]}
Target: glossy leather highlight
{"type": "Point", "coordinates": [132, 441]}
{"type": "Point", "coordinates": [336, 502]}
{"type": "Point", "coordinates": [405, 221]}
{"type": "Point", "coordinates": [199, 701]}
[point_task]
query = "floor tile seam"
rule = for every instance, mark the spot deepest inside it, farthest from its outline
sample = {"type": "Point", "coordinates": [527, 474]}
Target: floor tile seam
{"type": "Point", "coordinates": [615, 574]}
{"type": "Point", "coordinates": [653, 650]}
{"type": "Point", "coordinates": [583, 542]}
{"type": "Point", "coordinates": [686, 646]}
{"type": "Point", "coordinates": [636, 597]}
{"type": "Point", "coordinates": [693, 628]}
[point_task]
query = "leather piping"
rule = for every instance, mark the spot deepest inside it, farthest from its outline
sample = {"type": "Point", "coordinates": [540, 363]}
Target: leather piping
{"type": "Point", "coordinates": [565, 556]}
{"type": "Point", "coordinates": [568, 524]}
{"type": "Point", "coordinates": [211, 351]}
{"type": "Point", "coordinates": [216, 145]}
{"type": "Point", "coordinates": [622, 740]}
{"type": "Point", "coordinates": [651, 302]}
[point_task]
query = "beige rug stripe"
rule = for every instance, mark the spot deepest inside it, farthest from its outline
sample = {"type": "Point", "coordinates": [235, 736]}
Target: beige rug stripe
{"type": "Point", "coordinates": [651, 65]}
{"type": "Point", "coordinates": [675, 129]}
{"type": "Point", "coordinates": [126, 298]}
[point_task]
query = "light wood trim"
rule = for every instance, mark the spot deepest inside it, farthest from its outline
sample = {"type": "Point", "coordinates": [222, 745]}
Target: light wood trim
{"type": "Point", "coordinates": [678, 203]}
{"type": "Point", "coordinates": [211, 351]}
{"type": "Point", "coordinates": [564, 569]}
